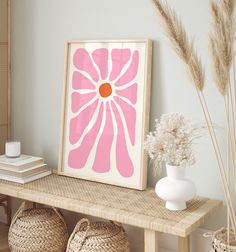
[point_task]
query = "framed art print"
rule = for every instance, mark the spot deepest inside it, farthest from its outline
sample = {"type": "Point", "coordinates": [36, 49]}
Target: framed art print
{"type": "Point", "coordinates": [105, 112]}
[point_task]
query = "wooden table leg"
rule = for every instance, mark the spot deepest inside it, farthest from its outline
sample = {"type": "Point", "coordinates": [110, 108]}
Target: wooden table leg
{"type": "Point", "coordinates": [184, 244]}
{"type": "Point", "coordinates": [150, 241]}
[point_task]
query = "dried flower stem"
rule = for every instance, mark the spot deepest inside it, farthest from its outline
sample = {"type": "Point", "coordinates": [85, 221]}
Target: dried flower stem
{"type": "Point", "coordinates": [230, 132]}
{"type": "Point", "coordinates": [230, 161]}
{"type": "Point", "coordinates": [231, 117]}
{"type": "Point", "coordinates": [219, 158]}
{"type": "Point", "coordinates": [228, 178]}
{"type": "Point", "coordinates": [234, 106]}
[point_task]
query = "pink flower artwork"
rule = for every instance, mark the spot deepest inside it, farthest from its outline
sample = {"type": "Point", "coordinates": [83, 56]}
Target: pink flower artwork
{"type": "Point", "coordinates": [103, 107]}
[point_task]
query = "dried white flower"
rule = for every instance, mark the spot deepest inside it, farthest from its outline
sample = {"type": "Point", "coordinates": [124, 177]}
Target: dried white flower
{"type": "Point", "coordinates": [172, 140]}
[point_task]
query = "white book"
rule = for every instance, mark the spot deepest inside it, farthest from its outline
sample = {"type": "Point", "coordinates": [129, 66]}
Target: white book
{"type": "Point", "coordinates": [26, 172]}
{"type": "Point", "coordinates": [25, 180]}
{"type": "Point", "coordinates": [19, 163]}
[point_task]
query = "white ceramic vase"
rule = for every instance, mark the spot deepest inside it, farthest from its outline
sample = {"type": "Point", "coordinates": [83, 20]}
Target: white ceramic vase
{"type": "Point", "coordinates": [175, 189]}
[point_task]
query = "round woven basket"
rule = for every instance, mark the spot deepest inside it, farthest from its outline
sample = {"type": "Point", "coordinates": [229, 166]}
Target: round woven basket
{"type": "Point", "coordinates": [221, 243]}
{"type": "Point", "coordinates": [97, 237]}
{"type": "Point", "coordinates": [37, 230]}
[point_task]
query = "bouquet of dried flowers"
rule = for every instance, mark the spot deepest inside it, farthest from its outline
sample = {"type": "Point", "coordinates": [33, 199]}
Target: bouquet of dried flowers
{"type": "Point", "coordinates": [172, 140]}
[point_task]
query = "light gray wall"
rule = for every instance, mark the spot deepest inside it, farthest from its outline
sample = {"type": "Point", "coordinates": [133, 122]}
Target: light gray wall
{"type": "Point", "coordinates": [39, 30]}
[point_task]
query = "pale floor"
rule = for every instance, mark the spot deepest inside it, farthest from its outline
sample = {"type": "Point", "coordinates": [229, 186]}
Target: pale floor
{"type": "Point", "coordinates": [3, 238]}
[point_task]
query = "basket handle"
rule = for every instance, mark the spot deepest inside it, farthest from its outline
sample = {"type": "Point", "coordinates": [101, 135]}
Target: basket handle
{"type": "Point", "coordinates": [212, 234]}
{"type": "Point", "coordinates": [29, 205]}
{"type": "Point", "coordinates": [24, 206]}
{"type": "Point", "coordinates": [208, 234]}
{"type": "Point", "coordinates": [58, 213]}
{"type": "Point", "coordinates": [76, 229]}
{"type": "Point", "coordinates": [118, 224]}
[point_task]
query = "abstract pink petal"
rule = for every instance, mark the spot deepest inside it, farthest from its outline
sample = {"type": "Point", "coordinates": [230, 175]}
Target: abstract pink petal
{"type": "Point", "coordinates": [78, 100]}
{"type": "Point", "coordinates": [120, 58]}
{"type": "Point", "coordinates": [130, 117]}
{"type": "Point", "coordinates": [79, 81]}
{"type": "Point", "coordinates": [102, 158]}
{"type": "Point", "coordinates": [78, 157]}
{"type": "Point", "coordinates": [100, 57]}
{"type": "Point", "coordinates": [131, 72]}
{"type": "Point", "coordinates": [81, 121]}
{"type": "Point", "coordinates": [83, 62]}
{"type": "Point", "coordinates": [123, 160]}
{"type": "Point", "coordinates": [129, 93]}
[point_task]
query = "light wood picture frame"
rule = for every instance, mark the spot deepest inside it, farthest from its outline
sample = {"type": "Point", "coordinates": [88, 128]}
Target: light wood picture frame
{"type": "Point", "coordinates": [105, 111]}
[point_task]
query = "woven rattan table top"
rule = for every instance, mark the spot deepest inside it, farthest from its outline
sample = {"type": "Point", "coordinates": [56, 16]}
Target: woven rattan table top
{"type": "Point", "coordinates": [138, 208]}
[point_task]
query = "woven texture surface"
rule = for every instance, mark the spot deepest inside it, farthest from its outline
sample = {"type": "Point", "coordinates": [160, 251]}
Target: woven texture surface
{"type": "Point", "coordinates": [112, 196]}
{"type": "Point", "coordinates": [38, 230]}
{"type": "Point", "coordinates": [220, 240]}
{"type": "Point", "coordinates": [97, 237]}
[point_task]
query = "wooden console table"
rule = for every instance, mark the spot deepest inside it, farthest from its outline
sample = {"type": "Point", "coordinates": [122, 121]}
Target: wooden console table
{"type": "Point", "coordinates": [141, 209]}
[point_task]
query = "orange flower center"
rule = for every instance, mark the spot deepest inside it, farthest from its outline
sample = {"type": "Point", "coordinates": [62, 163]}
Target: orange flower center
{"type": "Point", "coordinates": [105, 89]}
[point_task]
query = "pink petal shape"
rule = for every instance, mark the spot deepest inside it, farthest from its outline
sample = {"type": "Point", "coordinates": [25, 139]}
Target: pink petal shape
{"type": "Point", "coordinates": [78, 157]}
{"type": "Point", "coordinates": [78, 100]}
{"type": "Point", "coordinates": [129, 93]}
{"type": "Point", "coordinates": [79, 81]}
{"type": "Point", "coordinates": [100, 57]}
{"type": "Point", "coordinates": [131, 72]}
{"type": "Point", "coordinates": [103, 154]}
{"type": "Point", "coordinates": [120, 58]}
{"type": "Point", "coordinates": [130, 117]}
{"type": "Point", "coordinates": [123, 161]}
{"type": "Point", "coordinates": [81, 121]}
{"type": "Point", "coordinates": [83, 62]}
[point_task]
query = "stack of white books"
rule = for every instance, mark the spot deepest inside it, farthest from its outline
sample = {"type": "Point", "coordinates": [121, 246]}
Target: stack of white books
{"type": "Point", "coordinates": [23, 169]}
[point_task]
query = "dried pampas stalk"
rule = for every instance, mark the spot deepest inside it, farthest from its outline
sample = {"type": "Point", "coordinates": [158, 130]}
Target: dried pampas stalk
{"type": "Point", "coordinates": [228, 7]}
{"type": "Point", "coordinates": [221, 44]}
{"type": "Point", "coordinates": [220, 73]}
{"type": "Point", "coordinates": [184, 48]}
{"type": "Point", "coordinates": [181, 44]}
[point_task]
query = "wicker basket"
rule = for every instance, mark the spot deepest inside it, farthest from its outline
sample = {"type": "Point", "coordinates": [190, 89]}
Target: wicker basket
{"type": "Point", "coordinates": [220, 241]}
{"type": "Point", "coordinates": [37, 230]}
{"type": "Point", "coordinates": [98, 237]}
